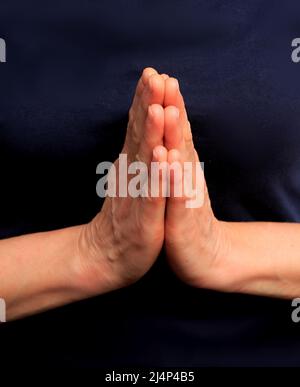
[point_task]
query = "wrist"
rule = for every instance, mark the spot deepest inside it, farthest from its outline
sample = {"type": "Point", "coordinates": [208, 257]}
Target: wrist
{"type": "Point", "coordinates": [235, 269]}
{"type": "Point", "coordinates": [95, 274]}
{"type": "Point", "coordinates": [246, 267]}
{"type": "Point", "coordinates": [219, 272]}
{"type": "Point", "coordinates": [224, 271]}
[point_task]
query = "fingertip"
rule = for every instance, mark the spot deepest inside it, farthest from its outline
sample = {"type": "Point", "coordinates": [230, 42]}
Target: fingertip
{"type": "Point", "coordinates": [155, 110]}
{"type": "Point", "coordinates": [172, 84]}
{"type": "Point", "coordinates": [155, 117]}
{"type": "Point", "coordinates": [160, 153]}
{"type": "Point", "coordinates": [147, 73]}
{"type": "Point", "coordinates": [155, 82]}
{"type": "Point", "coordinates": [172, 93]}
{"type": "Point", "coordinates": [173, 133]}
{"type": "Point", "coordinates": [154, 91]}
{"type": "Point", "coordinates": [172, 112]}
{"type": "Point", "coordinates": [174, 156]}
{"type": "Point", "coordinates": [151, 111]}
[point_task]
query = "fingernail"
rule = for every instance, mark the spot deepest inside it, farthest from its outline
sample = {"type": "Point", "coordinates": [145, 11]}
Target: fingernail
{"type": "Point", "coordinates": [156, 154]}
{"type": "Point", "coordinates": [150, 111]}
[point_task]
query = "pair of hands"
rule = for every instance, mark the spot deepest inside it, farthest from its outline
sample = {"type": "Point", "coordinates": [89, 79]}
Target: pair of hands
{"type": "Point", "coordinates": [123, 241]}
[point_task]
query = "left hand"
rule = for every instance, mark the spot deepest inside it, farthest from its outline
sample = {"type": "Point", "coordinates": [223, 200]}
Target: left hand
{"type": "Point", "coordinates": [195, 240]}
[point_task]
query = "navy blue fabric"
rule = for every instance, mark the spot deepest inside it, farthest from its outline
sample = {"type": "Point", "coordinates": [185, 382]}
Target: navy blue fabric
{"type": "Point", "coordinates": [65, 92]}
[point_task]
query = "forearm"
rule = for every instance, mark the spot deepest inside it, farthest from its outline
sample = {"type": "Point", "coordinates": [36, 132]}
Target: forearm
{"type": "Point", "coordinates": [41, 271]}
{"type": "Point", "coordinates": [262, 258]}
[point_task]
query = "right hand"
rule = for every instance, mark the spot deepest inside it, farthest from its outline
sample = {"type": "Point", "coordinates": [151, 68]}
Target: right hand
{"type": "Point", "coordinates": [123, 241]}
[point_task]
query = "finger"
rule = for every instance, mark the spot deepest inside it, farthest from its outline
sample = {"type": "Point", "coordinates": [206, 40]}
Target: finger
{"type": "Point", "coordinates": [146, 74]}
{"type": "Point", "coordinates": [160, 154]}
{"type": "Point", "coordinates": [153, 93]}
{"type": "Point", "coordinates": [153, 206]}
{"type": "Point", "coordinates": [173, 134]}
{"type": "Point", "coordinates": [153, 133]}
{"type": "Point", "coordinates": [173, 97]}
{"type": "Point", "coordinates": [176, 209]}
{"type": "Point", "coordinates": [135, 122]}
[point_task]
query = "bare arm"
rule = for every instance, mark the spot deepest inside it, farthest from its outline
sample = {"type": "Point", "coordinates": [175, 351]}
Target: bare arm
{"type": "Point", "coordinates": [40, 271]}
{"type": "Point", "coordinates": [263, 258]}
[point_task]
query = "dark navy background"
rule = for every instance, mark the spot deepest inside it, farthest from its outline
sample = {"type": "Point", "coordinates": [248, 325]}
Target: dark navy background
{"type": "Point", "coordinates": [65, 91]}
